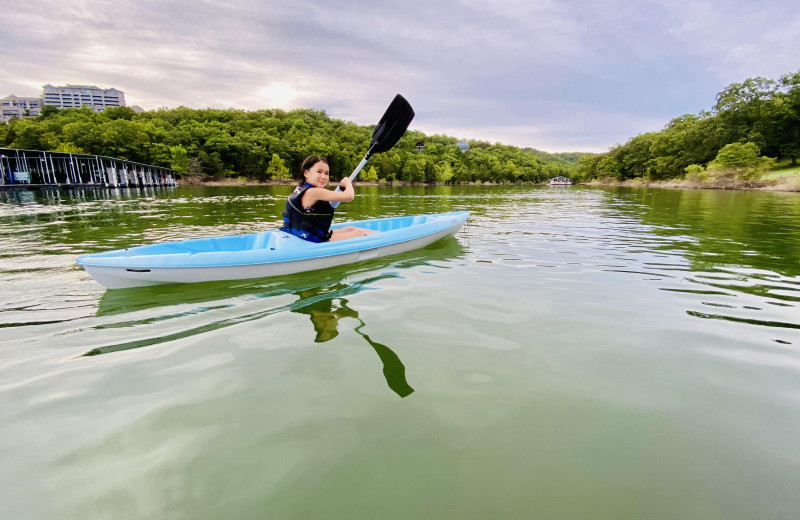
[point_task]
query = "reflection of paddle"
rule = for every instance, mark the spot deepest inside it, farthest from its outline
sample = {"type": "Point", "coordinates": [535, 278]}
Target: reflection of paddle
{"type": "Point", "coordinates": [393, 369]}
{"type": "Point", "coordinates": [387, 132]}
{"type": "Point", "coordinates": [325, 316]}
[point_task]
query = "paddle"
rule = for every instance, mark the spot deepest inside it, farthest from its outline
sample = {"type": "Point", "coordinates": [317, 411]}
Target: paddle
{"type": "Point", "coordinates": [387, 132]}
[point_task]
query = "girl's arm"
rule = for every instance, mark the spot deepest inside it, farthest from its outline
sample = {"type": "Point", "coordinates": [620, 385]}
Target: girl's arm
{"type": "Point", "coordinates": [312, 195]}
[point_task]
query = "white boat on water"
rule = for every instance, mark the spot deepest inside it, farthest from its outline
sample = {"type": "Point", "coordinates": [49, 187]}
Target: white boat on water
{"type": "Point", "coordinates": [560, 181]}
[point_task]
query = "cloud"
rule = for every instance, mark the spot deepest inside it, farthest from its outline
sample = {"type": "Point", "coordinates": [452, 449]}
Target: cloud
{"type": "Point", "coordinates": [553, 75]}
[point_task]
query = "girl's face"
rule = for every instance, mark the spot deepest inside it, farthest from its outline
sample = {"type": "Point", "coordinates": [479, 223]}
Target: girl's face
{"type": "Point", "coordinates": [318, 174]}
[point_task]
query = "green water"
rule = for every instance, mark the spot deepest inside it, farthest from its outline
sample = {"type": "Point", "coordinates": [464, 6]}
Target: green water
{"type": "Point", "coordinates": [571, 354]}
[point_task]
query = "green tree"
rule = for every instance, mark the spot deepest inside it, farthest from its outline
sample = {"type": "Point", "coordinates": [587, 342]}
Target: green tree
{"type": "Point", "coordinates": [68, 148]}
{"type": "Point", "coordinates": [47, 111]}
{"type": "Point", "coordinates": [587, 166]}
{"type": "Point", "coordinates": [211, 163]}
{"type": "Point", "coordinates": [607, 166]}
{"type": "Point", "coordinates": [30, 135]}
{"type": "Point", "coordinates": [787, 103]}
{"type": "Point", "coordinates": [119, 113]}
{"type": "Point", "coordinates": [444, 172]}
{"type": "Point", "coordinates": [741, 159]}
{"type": "Point", "coordinates": [277, 169]}
{"type": "Point", "coordinates": [696, 171]}
{"type": "Point", "coordinates": [179, 159]}
{"type": "Point", "coordinates": [744, 111]}
{"type": "Point", "coordinates": [551, 170]}
{"type": "Point", "coordinates": [371, 175]}
{"type": "Point", "coordinates": [738, 155]}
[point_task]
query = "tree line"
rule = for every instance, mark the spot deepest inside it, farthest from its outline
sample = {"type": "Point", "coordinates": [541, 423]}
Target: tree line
{"type": "Point", "coordinates": [752, 125]}
{"type": "Point", "coordinates": [269, 145]}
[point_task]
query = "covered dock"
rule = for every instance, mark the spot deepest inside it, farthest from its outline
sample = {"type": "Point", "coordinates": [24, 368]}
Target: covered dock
{"type": "Point", "coordinates": [41, 169]}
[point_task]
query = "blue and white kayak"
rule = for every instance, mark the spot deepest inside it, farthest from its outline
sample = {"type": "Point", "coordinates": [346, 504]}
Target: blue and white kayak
{"type": "Point", "coordinates": [268, 253]}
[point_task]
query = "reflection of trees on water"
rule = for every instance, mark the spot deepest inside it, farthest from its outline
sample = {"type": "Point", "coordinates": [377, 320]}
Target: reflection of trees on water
{"type": "Point", "coordinates": [727, 228]}
{"type": "Point", "coordinates": [326, 308]}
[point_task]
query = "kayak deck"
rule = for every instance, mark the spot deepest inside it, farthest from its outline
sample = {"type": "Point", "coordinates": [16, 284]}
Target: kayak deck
{"type": "Point", "coordinates": [262, 240]}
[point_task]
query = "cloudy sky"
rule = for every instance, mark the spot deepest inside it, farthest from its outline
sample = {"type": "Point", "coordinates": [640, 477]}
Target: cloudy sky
{"type": "Point", "coordinates": [570, 75]}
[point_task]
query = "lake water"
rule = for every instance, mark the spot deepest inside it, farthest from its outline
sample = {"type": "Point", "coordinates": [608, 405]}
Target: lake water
{"type": "Point", "coordinates": [572, 353]}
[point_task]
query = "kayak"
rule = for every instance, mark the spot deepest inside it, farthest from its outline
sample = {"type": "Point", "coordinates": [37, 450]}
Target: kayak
{"type": "Point", "coordinates": [268, 253]}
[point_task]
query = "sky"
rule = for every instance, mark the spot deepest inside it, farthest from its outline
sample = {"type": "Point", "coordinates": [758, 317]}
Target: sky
{"type": "Point", "coordinates": [559, 76]}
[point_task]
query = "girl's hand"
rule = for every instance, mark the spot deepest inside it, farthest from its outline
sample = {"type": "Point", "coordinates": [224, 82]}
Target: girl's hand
{"type": "Point", "coordinates": [344, 183]}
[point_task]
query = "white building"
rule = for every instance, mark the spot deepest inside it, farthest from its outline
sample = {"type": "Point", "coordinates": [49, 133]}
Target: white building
{"type": "Point", "coordinates": [76, 96]}
{"type": "Point", "coordinates": [20, 107]}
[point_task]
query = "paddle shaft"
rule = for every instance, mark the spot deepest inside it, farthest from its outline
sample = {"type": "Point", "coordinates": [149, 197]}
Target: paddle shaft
{"type": "Point", "coordinates": [387, 132]}
{"type": "Point", "coordinates": [353, 175]}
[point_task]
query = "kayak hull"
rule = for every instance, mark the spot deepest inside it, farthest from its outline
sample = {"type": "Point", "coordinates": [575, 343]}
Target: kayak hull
{"type": "Point", "coordinates": [258, 255]}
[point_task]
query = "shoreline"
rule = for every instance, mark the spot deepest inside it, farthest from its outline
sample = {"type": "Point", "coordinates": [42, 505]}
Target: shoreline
{"type": "Point", "coordinates": [188, 181]}
{"type": "Point", "coordinates": [784, 184]}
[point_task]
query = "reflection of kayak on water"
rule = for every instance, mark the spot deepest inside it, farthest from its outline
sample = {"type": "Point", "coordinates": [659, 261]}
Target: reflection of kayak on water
{"type": "Point", "coordinates": [268, 253]}
{"type": "Point", "coordinates": [356, 276]}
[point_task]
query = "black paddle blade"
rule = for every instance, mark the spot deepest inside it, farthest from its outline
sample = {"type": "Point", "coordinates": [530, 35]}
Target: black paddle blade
{"type": "Point", "coordinates": [392, 125]}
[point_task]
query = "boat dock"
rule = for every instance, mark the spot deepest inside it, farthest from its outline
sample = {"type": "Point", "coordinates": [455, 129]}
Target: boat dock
{"type": "Point", "coordinates": [36, 169]}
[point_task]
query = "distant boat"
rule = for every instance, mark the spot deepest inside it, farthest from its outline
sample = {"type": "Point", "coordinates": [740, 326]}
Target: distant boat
{"type": "Point", "coordinates": [560, 181]}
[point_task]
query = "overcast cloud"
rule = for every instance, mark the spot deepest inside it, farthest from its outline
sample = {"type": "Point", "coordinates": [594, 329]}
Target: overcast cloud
{"type": "Point", "coordinates": [557, 76]}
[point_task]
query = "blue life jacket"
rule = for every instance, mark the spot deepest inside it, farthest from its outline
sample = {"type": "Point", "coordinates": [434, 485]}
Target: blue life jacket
{"type": "Point", "coordinates": [313, 224]}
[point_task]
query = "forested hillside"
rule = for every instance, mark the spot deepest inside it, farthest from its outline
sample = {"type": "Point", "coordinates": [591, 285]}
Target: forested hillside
{"type": "Point", "coordinates": [752, 125]}
{"type": "Point", "coordinates": [271, 144]}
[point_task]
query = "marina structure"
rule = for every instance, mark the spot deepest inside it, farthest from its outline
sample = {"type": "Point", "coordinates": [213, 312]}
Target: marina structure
{"type": "Point", "coordinates": [40, 169]}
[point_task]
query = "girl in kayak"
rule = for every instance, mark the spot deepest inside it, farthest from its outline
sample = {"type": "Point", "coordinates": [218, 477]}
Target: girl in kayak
{"type": "Point", "coordinates": [308, 212]}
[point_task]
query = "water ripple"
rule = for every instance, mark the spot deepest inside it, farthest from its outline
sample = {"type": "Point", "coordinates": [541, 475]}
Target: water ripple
{"type": "Point", "coordinates": [638, 329]}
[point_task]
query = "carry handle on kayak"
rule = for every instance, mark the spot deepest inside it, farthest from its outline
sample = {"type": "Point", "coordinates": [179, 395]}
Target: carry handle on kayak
{"type": "Point", "coordinates": [387, 132]}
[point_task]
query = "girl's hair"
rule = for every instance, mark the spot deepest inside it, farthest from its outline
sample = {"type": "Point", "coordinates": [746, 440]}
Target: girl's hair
{"type": "Point", "coordinates": [310, 161]}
